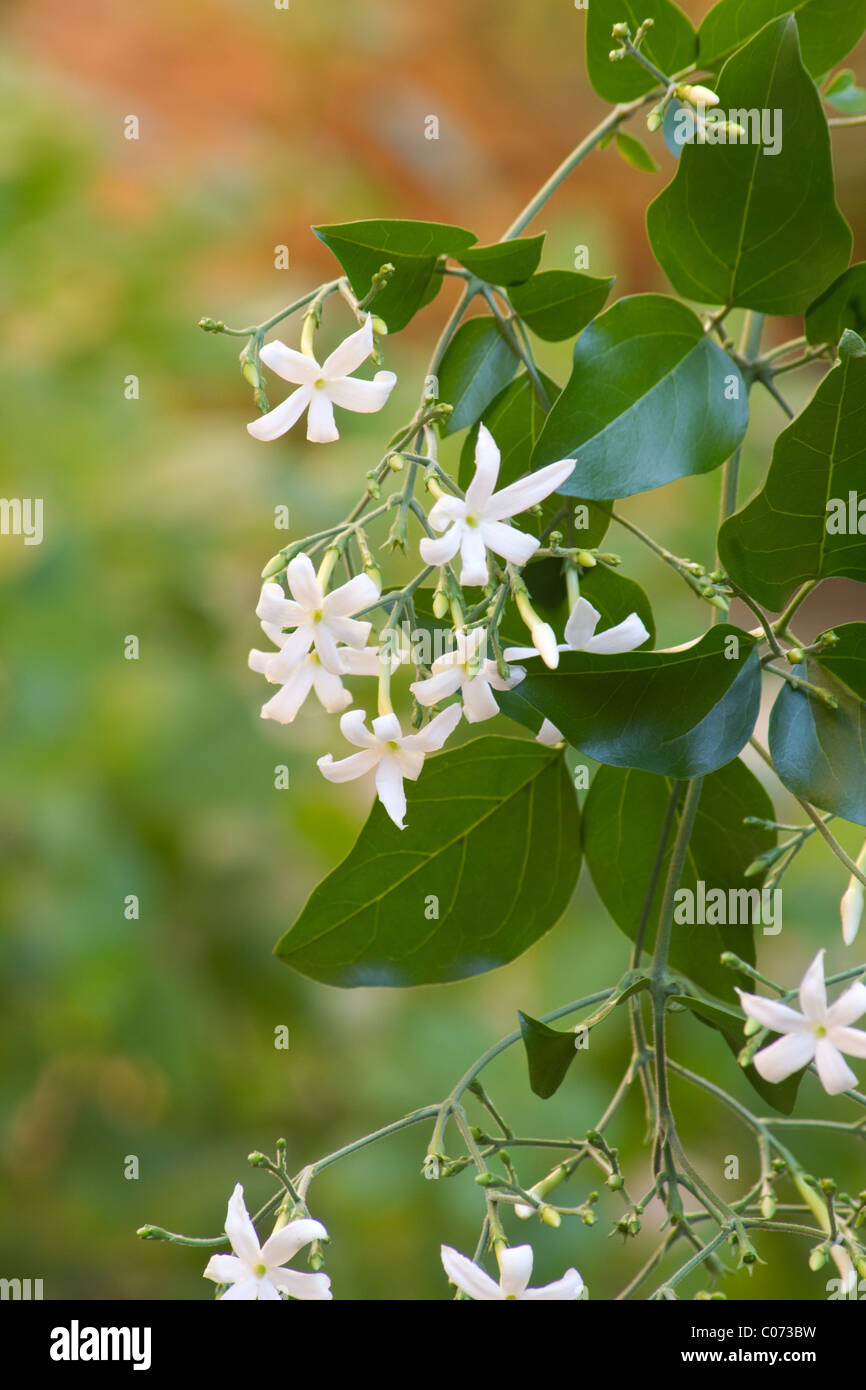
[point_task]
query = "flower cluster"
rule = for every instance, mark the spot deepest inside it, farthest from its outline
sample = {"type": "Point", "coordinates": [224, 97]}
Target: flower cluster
{"type": "Point", "coordinates": [320, 632]}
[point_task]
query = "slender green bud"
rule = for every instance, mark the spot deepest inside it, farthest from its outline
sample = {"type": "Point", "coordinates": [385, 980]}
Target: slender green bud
{"type": "Point", "coordinates": [380, 327]}
{"type": "Point", "coordinates": [818, 1258]}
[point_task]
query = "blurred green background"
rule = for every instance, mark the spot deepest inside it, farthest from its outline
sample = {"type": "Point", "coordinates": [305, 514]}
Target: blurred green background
{"type": "Point", "coordinates": [155, 777]}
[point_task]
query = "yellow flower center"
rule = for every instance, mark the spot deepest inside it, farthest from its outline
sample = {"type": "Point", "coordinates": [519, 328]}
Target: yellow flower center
{"type": "Point", "coordinates": [260, 1270]}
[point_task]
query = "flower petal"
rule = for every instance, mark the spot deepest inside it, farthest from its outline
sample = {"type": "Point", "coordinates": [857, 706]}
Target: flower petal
{"type": "Point", "coordinates": [581, 625]}
{"type": "Point", "coordinates": [282, 417]}
{"type": "Point", "coordinates": [771, 1013]}
{"type": "Point", "coordinates": [508, 542]}
{"type": "Point", "coordinates": [365, 662]}
{"type": "Point", "coordinates": [353, 727]}
{"type": "Point", "coordinates": [528, 491]}
{"type": "Point", "coordinates": [479, 702]}
{"type": "Point", "coordinates": [257, 661]}
{"type": "Point", "coordinates": [515, 1269]}
{"type": "Point", "coordinates": [389, 789]}
{"type": "Point", "coordinates": [281, 1245]}
{"type": "Point", "coordinates": [246, 1291]}
{"type": "Point", "coordinates": [569, 1287]}
{"type": "Point", "coordinates": [326, 645]}
{"type": "Point", "coordinates": [288, 700]}
{"type": "Point", "coordinates": [302, 581]}
{"type": "Point", "coordinates": [321, 427]}
{"type": "Point", "coordinates": [386, 728]}
{"type": "Point", "coordinates": [544, 638]}
{"type": "Point", "coordinates": [225, 1269]}
{"type": "Point", "coordinates": [439, 552]}
{"type": "Point", "coordinates": [240, 1229]}
{"type": "Point", "coordinates": [438, 687]}
{"type": "Point", "coordinates": [785, 1056]}
{"type": "Point", "coordinates": [297, 1284]}
{"type": "Point", "coordinates": [349, 630]}
{"type": "Point", "coordinates": [850, 1040]}
{"type": "Point", "coordinates": [433, 735]}
{"type": "Point", "coordinates": [480, 490]}
{"type": "Point", "coordinates": [473, 555]}
{"type": "Point", "coordinates": [292, 654]}
{"type": "Point", "coordinates": [624, 637]}
{"type": "Point", "coordinates": [813, 991]}
{"type": "Point", "coordinates": [834, 1072]}
{"type": "Point", "coordinates": [469, 1277]}
{"type": "Point", "coordinates": [549, 735]}
{"type": "Point", "coordinates": [347, 769]}
{"type": "Point", "coordinates": [848, 1007]}
{"type": "Point", "coordinates": [291, 365]}
{"type": "Point", "coordinates": [351, 353]}
{"type": "Point", "coordinates": [274, 608]}
{"type": "Point", "coordinates": [331, 694]}
{"type": "Point", "coordinates": [351, 597]}
{"type": "Point", "coordinates": [364, 397]}
{"type": "Point", "coordinates": [445, 510]}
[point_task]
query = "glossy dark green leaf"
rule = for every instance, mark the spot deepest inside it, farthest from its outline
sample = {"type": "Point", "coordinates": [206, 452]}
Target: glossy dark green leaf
{"type": "Point", "coordinates": [820, 753]}
{"type": "Point", "coordinates": [679, 713]}
{"type": "Point", "coordinates": [844, 95]}
{"type": "Point", "coordinates": [804, 522]}
{"type": "Point", "coordinates": [635, 153]}
{"type": "Point", "coordinates": [492, 843]}
{"type": "Point", "coordinates": [782, 1095]}
{"type": "Point", "coordinates": [651, 398]}
{"type": "Point", "coordinates": [411, 247]}
{"type": "Point", "coordinates": [623, 818]}
{"type": "Point", "coordinates": [558, 304]}
{"type": "Point", "coordinates": [740, 226]}
{"type": "Point", "coordinates": [829, 29]}
{"type": "Point", "coordinates": [477, 364]}
{"type": "Point", "coordinates": [505, 262]}
{"type": "Point", "coordinates": [549, 1054]}
{"type": "Point", "coordinates": [842, 306]}
{"type": "Point", "coordinates": [671, 44]}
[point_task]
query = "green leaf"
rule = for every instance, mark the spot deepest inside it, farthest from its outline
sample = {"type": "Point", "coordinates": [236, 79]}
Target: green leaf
{"type": "Point", "coordinates": [679, 713]}
{"type": "Point", "coordinates": [558, 304]}
{"type": "Point", "coordinates": [635, 153]}
{"type": "Point", "coordinates": [671, 44]}
{"type": "Point", "coordinates": [820, 753]}
{"type": "Point", "coordinates": [492, 842]}
{"type": "Point", "coordinates": [782, 1095]}
{"type": "Point", "coordinates": [622, 825]}
{"type": "Point", "coordinates": [828, 29]}
{"type": "Point", "coordinates": [505, 262]}
{"type": "Point", "coordinates": [844, 95]}
{"type": "Point", "coordinates": [741, 227]}
{"type": "Point", "coordinates": [549, 1054]}
{"type": "Point", "coordinates": [647, 401]}
{"type": "Point", "coordinates": [477, 364]}
{"type": "Point", "coordinates": [842, 306]}
{"type": "Point", "coordinates": [411, 247]}
{"type": "Point", "coordinates": [798, 527]}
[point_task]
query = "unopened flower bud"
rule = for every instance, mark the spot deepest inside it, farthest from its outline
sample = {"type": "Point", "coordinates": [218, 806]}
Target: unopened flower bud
{"type": "Point", "coordinates": [440, 603]}
{"type": "Point", "coordinates": [818, 1257]}
{"type": "Point", "coordinates": [654, 120]}
{"type": "Point", "coordinates": [795, 655]}
{"type": "Point", "coordinates": [752, 1027]}
{"type": "Point", "coordinates": [550, 1216]}
{"type": "Point", "coordinates": [615, 1182]}
{"type": "Point", "coordinates": [544, 642]}
{"type": "Point", "coordinates": [852, 903]}
{"type": "Point", "coordinates": [585, 560]}
{"type": "Point", "coordinates": [380, 327]}
{"type": "Point", "coordinates": [697, 95]}
{"type": "Point", "coordinates": [396, 462]}
{"type": "Point", "coordinates": [768, 1206]}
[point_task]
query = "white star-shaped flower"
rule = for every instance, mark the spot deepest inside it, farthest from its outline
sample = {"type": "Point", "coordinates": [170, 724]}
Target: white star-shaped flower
{"type": "Point", "coordinates": [257, 1271]}
{"type": "Point", "coordinates": [320, 620]}
{"type": "Point", "coordinates": [393, 754]}
{"type": "Point", "coordinates": [515, 1271]}
{"type": "Point", "coordinates": [468, 669]}
{"type": "Point", "coordinates": [821, 1033]}
{"type": "Point", "coordinates": [580, 636]}
{"type": "Point", "coordinates": [477, 523]}
{"type": "Point", "coordinates": [320, 388]}
{"type": "Point", "coordinates": [309, 675]}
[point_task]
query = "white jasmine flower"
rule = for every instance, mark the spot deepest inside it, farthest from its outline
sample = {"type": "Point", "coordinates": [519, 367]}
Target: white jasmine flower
{"type": "Point", "coordinates": [258, 1271]}
{"type": "Point", "coordinates": [580, 636]}
{"type": "Point", "coordinates": [469, 670]}
{"type": "Point", "coordinates": [515, 1266]}
{"type": "Point", "coordinates": [309, 675]}
{"type": "Point", "coordinates": [819, 1033]}
{"type": "Point", "coordinates": [320, 620]}
{"type": "Point", "coordinates": [320, 388]}
{"type": "Point", "coordinates": [477, 523]}
{"type": "Point", "coordinates": [393, 754]}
